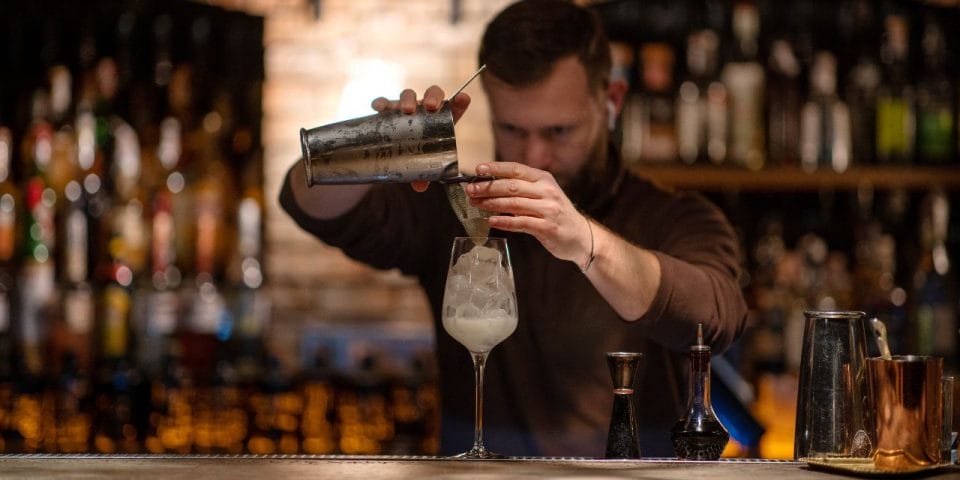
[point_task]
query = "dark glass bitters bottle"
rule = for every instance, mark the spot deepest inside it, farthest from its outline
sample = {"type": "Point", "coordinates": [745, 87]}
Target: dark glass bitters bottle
{"type": "Point", "coordinates": [623, 440]}
{"type": "Point", "coordinates": [698, 434]}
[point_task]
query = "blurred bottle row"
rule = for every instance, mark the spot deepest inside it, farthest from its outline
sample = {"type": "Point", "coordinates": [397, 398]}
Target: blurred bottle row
{"type": "Point", "coordinates": [887, 253]}
{"type": "Point", "coordinates": [745, 85]}
{"type": "Point", "coordinates": [133, 316]}
{"type": "Point", "coordinates": [897, 267]}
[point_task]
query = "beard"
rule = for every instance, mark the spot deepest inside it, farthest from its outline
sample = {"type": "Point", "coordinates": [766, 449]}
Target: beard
{"type": "Point", "coordinates": [593, 180]}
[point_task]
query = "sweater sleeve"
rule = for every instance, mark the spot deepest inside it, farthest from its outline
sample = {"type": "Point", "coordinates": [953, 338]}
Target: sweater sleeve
{"type": "Point", "coordinates": [699, 262]}
{"type": "Point", "coordinates": [384, 230]}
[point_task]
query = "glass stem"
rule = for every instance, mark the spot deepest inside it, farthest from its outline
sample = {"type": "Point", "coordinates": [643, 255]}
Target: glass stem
{"type": "Point", "coordinates": [479, 362]}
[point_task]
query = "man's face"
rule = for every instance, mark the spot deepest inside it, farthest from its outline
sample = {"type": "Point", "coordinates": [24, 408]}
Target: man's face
{"type": "Point", "coordinates": [557, 124]}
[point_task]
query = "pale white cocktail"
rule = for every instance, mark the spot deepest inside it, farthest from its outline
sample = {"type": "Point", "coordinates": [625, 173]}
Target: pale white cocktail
{"type": "Point", "coordinates": [479, 310]}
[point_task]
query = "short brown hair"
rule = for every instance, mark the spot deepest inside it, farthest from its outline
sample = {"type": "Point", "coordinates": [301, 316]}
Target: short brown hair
{"type": "Point", "coordinates": [524, 40]}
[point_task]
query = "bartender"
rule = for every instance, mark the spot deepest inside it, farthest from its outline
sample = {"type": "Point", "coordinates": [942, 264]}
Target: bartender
{"type": "Point", "coordinates": [603, 259]}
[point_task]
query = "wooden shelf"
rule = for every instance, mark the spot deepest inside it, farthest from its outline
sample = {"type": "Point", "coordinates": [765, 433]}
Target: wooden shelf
{"type": "Point", "coordinates": [794, 179]}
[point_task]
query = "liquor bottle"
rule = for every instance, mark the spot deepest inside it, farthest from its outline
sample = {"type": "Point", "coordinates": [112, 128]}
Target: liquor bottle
{"type": "Point", "coordinates": [35, 282]}
{"type": "Point", "coordinates": [658, 136]}
{"type": "Point", "coordinates": [209, 322]}
{"type": "Point", "coordinates": [181, 110]}
{"type": "Point", "coordinates": [118, 380]}
{"type": "Point", "coordinates": [702, 104]}
{"type": "Point", "coordinates": [161, 305]}
{"type": "Point", "coordinates": [875, 284]}
{"type": "Point", "coordinates": [862, 83]}
{"type": "Point", "coordinates": [771, 295]}
{"type": "Point", "coordinates": [64, 142]}
{"type": "Point", "coordinates": [250, 303]}
{"type": "Point", "coordinates": [74, 324]}
{"type": "Point", "coordinates": [128, 198]}
{"type": "Point", "coordinates": [94, 146]}
{"type": "Point", "coordinates": [744, 77]}
{"type": "Point", "coordinates": [10, 216]}
{"type": "Point", "coordinates": [825, 125]}
{"type": "Point", "coordinates": [783, 104]}
{"type": "Point", "coordinates": [935, 101]}
{"type": "Point", "coordinates": [72, 327]}
{"type": "Point", "coordinates": [158, 312]}
{"type": "Point", "coordinates": [896, 120]}
{"type": "Point", "coordinates": [37, 272]}
{"type": "Point", "coordinates": [698, 434]}
{"type": "Point", "coordinates": [934, 295]}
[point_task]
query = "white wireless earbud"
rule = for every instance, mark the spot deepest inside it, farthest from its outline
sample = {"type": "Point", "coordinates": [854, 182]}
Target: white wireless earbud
{"type": "Point", "coordinates": [611, 115]}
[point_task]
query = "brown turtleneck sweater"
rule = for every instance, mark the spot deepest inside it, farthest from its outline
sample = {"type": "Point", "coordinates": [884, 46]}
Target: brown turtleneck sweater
{"type": "Point", "coordinates": [547, 387]}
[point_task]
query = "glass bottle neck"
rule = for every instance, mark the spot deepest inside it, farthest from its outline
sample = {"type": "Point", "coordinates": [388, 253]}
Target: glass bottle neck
{"type": "Point", "coordinates": [700, 379]}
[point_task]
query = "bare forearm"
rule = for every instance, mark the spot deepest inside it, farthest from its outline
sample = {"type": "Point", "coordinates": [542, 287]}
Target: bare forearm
{"type": "Point", "coordinates": [630, 278]}
{"type": "Point", "coordinates": [626, 275]}
{"type": "Point", "coordinates": [323, 202]}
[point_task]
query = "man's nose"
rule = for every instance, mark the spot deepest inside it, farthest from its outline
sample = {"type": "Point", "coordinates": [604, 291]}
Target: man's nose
{"type": "Point", "coordinates": [537, 152]}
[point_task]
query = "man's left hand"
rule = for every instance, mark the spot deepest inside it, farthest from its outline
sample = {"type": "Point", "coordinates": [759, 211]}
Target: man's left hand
{"type": "Point", "coordinates": [529, 200]}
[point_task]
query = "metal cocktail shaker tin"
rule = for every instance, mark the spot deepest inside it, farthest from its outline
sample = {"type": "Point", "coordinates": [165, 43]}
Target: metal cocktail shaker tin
{"type": "Point", "coordinates": [387, 147]}
{"type": "Point", "coordinates": [833, 407]}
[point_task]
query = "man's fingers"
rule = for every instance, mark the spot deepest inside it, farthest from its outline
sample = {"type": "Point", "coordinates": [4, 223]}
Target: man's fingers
{"type": "Point", "coordinates": [408, 101]}
{"type": "Point", "coordinates": [510, 170]}
{"type": "Point", "coordinates": [504, 187]}
{"type": "Point", "coordinates": [382, 104]}
{"type": "Point", "coordinates": [433, 98]}
{"type": "Point", "coordinates": [458, 105]}
{"type": "Point", "coordinates": [517, 206]}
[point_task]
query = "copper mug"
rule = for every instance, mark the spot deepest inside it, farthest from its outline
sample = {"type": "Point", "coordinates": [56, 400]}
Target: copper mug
{"type": "Point", "coordinates": [906, 391]}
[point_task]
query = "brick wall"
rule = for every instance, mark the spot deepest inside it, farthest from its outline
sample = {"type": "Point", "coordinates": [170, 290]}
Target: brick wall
{"type": "Point", "coordinates": [307, 64]}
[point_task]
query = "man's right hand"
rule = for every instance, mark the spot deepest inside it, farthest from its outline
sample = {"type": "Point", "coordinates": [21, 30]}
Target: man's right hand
{"type": "Point", "coordinates": [432, 101]}
{"type": "Point", "coordinates": [331, 201]}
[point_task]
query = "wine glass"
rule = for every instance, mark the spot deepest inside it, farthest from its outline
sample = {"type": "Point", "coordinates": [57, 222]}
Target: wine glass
{"type": "Point", "coordinates": [479, 311]}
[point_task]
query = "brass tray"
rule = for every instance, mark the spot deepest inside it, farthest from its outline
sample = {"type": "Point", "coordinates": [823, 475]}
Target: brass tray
{"type": "Point", "coordinates": [864, 467]}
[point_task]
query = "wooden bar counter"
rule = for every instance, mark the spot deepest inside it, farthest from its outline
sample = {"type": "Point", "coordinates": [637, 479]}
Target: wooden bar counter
{"type": "Point", "coordinates": [275, 467]}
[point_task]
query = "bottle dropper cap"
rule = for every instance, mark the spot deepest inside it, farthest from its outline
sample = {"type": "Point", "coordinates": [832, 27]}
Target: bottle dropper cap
{"type": "Point", "coordinates": [700, 347]}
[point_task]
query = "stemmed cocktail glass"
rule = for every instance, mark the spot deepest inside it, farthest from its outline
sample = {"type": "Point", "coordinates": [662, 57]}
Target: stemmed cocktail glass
{"type": "Point", "coordinates": [479, 311]}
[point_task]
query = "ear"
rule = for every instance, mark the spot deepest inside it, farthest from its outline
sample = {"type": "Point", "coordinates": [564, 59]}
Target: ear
{"type": "Point", "coordinates": [616, 94]}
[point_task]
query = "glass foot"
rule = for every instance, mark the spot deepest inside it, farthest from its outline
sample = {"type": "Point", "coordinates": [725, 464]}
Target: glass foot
{"type": "Point", "coordinates": [478, 453]}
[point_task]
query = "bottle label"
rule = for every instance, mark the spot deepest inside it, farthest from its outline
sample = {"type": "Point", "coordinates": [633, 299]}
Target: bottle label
{"type": "Point", "coordinates": [894, 127]}
{"type": "Point", "coordinates": [935, 130]}
{"type": "Point", "coordinates": [161, 313]}
{"type": "Point", "coordinates": [76, 246]}
{"type": "Point", "coordinates": [130, 224]}
{"type": "Point", "coordinates": [37, 291]}
{"type": "Point", "coordinates": [78, 309]}
{"type": "Point", "coordinates": [690, 122]}
{"type": "Point", "coordinates": [115, 315]}
{"type": "Point", "coordinates": [209, 310]}
{"type": "Point", "coordinates": [8, 219]}
{"type": "Point", "coordinates": [745, 85]}
{"type": "Point", "coordinates": [717, 118]}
